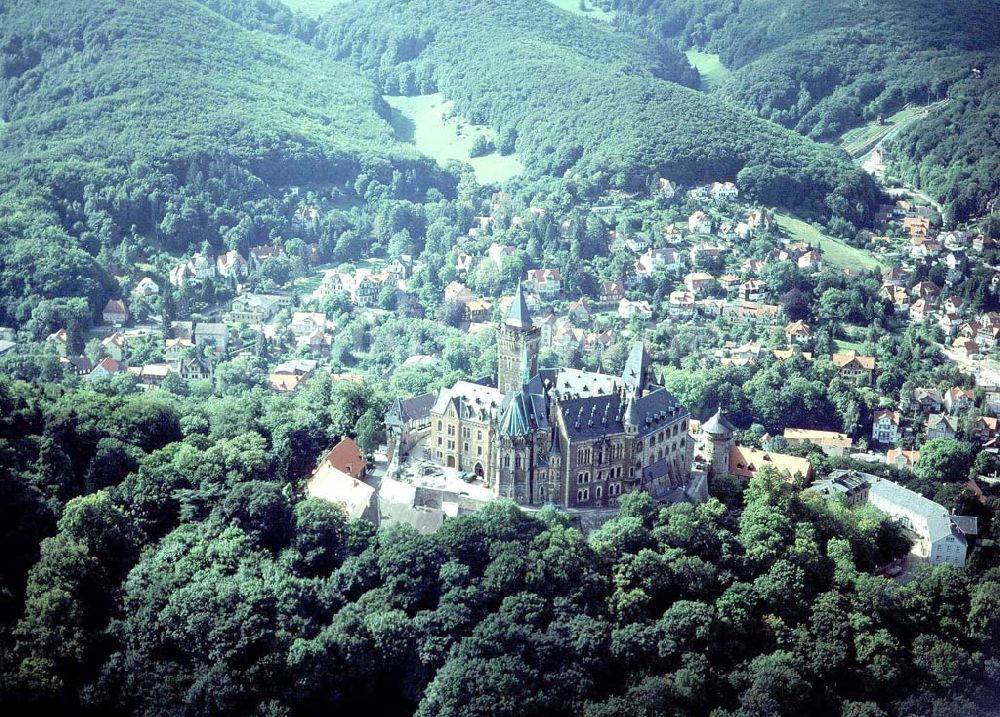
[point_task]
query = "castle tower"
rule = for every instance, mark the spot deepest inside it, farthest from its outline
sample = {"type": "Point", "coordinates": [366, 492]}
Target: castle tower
{"type": "Point", "coordinates": [719, 439]}
{"type": "Point", "coordinates": [516, 449]}
{"type": "Point", "coordinates": [517, 336]}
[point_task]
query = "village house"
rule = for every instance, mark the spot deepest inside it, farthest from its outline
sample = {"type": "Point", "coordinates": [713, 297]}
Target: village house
{"type": "Point", "coordinates": [928, 400]}
{"type": "Point", "coordinates": [752, 313]}
{"type": "Point", "coordinates": [700, 223]}
{"type": "Point", "coordinates": [941, 425]}
{"type": "Point", "coordinates": [580, 312]}
{"type": "Point", "coordinates": [628, 310]}
{"type": "Point", "coordinates": [920, 310]}
{"type": "Point", "coordinates": [681, 304]}
{"type": "Point", "coordinates": [966, 348]}
{"type": "Point", "coordinates": [457, 291]}
{"type": "Point", "coordinates": [498, 252]}
{"type": "Point", "coordinates": [319, 344]}
{"type": "Point", "coordinates": [231, 264]}
{"type": "Point", "coordinates": [902, 458]}
{"type": "Point", "coordinates": [254, 308]}
{"type": "Point", "coordinates": [478, 311]}
{"type": "Point", "coordinates": [146, 287]}
{"type": "Point", "coordinates": [811, 260]}
{"type": "Point", "coordinates": [195, 368]}
{"type": "Point", "coordinates": [959, 400]}
{"type": "Point", "coordinates": [698, 282]}
{"type": "Point", "coordinates": [176, 349]}
{"type": "Point", "coordinates": [106, 368]}
{"type": "Point", "coordinates": [860, 369]}
{"type": "Point", "coordinates": [116, 346]}
{"type": "Point", "coordinates": [798, 332]}
{"type": "Point", "coordinates": [114, 312]}
{"type": "Point", "coordinates": [886, 427]}
{"type": "Point", "coordinates": [368, 286]}
{"type": "Point", "coordinates": [753, 290]}
{"type": "Point", "coordinates": [723, 191]}
{"type": "Point", "coordinates": [260, 255]}
{"type": "Point", "coordinates": [400, 268]}
{"type": "Point", "coordinates": [463, 263]}
{"type": "Point", "coordinates": [546, 283]}
{"type": "Point", "coordinates": [346, 457]}
{"type": "Point", "coordinates": [984, 429]}
{"type": "Point", "coordinates": [307, 322]}
{"type": "Point", "coordinates": [612, 292]}
{"type": "Point", "coordinates": [830, 442]}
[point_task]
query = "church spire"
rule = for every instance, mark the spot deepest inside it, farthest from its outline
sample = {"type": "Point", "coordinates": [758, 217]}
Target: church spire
{"type": "Point", "coordinates": [518, 316]}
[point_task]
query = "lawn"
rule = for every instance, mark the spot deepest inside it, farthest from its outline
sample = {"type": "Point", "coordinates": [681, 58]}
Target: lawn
{"type": "Point", "coordinates": [589, 9]}
{"type": "Point", "coordinates": [313, 8]}
{"type": "Point", "coordinates": [425, 122]}
{"type": "Point", "coordinates": [713, 72]}
{"type": "Point", "coordinates": [835, 252]}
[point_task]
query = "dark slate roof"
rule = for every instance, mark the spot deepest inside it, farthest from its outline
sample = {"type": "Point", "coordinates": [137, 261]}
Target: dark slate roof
{"type": "Point", "coordinates": [518, 315]}
{"type": "Point", "coordinates": [409, 409]}
{"type": "Point", "coordinates": [656, 409]}
{"type": "Point", "coordinates": [637, 368]}
{"type": "Point", "coordinates": [521, 414]}
{"type": "Point", "coordinates": [718, 424]}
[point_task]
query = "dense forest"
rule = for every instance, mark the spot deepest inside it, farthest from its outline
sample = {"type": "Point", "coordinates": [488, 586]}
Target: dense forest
{"type": "Point", "coordinates": [128, 124]}
{"type": "Point", "coordinates": [161, 560]}
{"type": "Point", "coordinates": [811, 66]}
{"type": "Point", "coordinates": [571, 94]}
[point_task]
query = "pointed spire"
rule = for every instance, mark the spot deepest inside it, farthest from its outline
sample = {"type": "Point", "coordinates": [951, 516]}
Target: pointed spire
{"type": "Point", "coordinates": [638, 369]}
{"type": "Point", "coordinates": [631, 412]}
{"type": "Point", "coordinates": [518, 316]}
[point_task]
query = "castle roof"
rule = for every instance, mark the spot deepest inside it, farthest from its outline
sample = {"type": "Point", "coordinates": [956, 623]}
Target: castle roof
{"type": "Point", "coordinates": [518, 316]}
{"type": "Point", "coordinates": [718, 425]}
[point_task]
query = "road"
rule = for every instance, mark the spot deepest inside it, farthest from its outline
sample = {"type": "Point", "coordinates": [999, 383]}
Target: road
{"type": "Point", "coordinates": [899, 128]}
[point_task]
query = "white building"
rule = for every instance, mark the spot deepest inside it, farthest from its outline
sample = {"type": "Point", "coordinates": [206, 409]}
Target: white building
{"type": "Point", "coordinates": [939, 539]}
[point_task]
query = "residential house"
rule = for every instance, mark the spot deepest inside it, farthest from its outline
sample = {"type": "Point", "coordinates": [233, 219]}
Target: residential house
{"type": "Point", "coordinates": [368, 286]}
{"type": "Point", "coordinates": [860, 369]}
{"type": "Point", "coordinates": [254, 308]}
{"type": "Point", "coordinates": [745, 462]}
{"type": "Point", "coordinates": [146, 287]}
{"type": "Point", "coordinates": [463, 263]}
{"type": "Point", "coordinates": [830, 442]}
{"type": "Point", "coordinates": [798, 332]}
{"type": "Point", "coordinates": [116, 346]}
{"type": "Point", "coordinates": [698, 282]}
{"type": "Point", "coordinates": [629, 310]}
{"type": "Point", "coordinates": [195, 368]}
{"type": "Point", "coordinates": [612, 292]}
{"type": "Point", "coordinates": [844, 485]}
{"type": "Point", "coordinates": [902, 459]}
{"type": "Point", "coordinates": [941, 425]}
{"type": "Point", "coordinates": [260, 255]}
{"type": "Point", "coordinates": [966, 348]}
{"type": "Point", "coordinates": [305, 323]}
{"type": "Point", "coordinates": [231, 264]}
{"type": "Point", "coordinates": [920, 310]}
{"type": "Point", "coordinates": [753, 290]}
{"type": "Point", "coordinates": [928, 400]}
{"type": "Point", "coordinates": [457, 291]}
{"type": "Point", "coordinates": [681, 304]}
{"type": "Point", "coordinates": [724, 191]}
{"type": "Point", "coordinates": [319, 344]}
{"type": "Point", "coordinates": [498, 252]}
{"type": "Point", "coordinates": [886, 427]}
{"type": "Point", "coordinates": [580, 312]}
{"type": "Point", "coordinates": [400, 268]}
{"type": "Point", "coordinates": [211, 334]}
{"type": "Point", "coordinates": [175, 349]}
{"type": "Point", "coordinates": [546, 283]}
{"type": "Point", "coordinates": [959, 400]}
{"type": "Point", "coordinates": [79, 365]}
{"type": "Point", "coordinates": [106, 368]}
{"type": "Point", "coordinates": [357, 499]}
{"type": "Point", "coordinates": [700, 223]}
{"type": "Point", "coordinates": [478, 311]}
{"type": "Point", "coordinates": [114, 312]}
{"type": "Point", "coordinates": [984, 429]}
{"type": "Point", "coordinates": [812, 260]}
{"type": "Point", "coordinates": [346, 457]}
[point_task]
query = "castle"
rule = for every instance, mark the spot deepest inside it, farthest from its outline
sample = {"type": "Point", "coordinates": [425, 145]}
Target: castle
{"type": "Point", "coordinates": [574, 438]}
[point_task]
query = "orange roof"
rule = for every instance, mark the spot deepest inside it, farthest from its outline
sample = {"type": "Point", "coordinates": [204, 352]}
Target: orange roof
{"type": "Point", "coordinates": [845, 359]}
{"type": "Point", "coordinates": [908, 457]}
{"type": "Point", "coordinates": [346, 457]}
{"type": "Point", "coordinates": [745, 462]}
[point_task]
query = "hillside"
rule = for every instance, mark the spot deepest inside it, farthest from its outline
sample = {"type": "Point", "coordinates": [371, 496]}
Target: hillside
{"type": "Point", "coordinates": [167, 122]}
{"type": "Point", "coordinates": [810, 66]}
{"type": "Point", "coordinates": [577, 94]}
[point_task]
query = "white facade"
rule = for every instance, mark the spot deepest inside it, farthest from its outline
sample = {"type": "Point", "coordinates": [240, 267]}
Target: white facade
{"type": "Point", "coordinates": [938, 539]}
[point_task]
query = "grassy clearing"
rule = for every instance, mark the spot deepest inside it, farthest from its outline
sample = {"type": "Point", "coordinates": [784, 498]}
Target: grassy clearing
{"type": "Point", "coordinates": [589, 10]}
{"type": "Point", "coordinates": [844, 346]}
{"type": "Point", "coordinates": [313, 8]}
{"type": "Point", "coordinates": [426, 122]}
{"type": "Point", "coordinates": [859, 140]}
{"type": "Point", "coordinates": [713, 72]}
{"type": "Point", "coordinates": [835, 252]}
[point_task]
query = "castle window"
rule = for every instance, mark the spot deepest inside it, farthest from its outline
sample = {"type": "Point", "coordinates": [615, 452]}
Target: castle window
{"type": "Point", "coordinates": [479, 435]}
{"type": "Point", "coordinates": [465, 447]}
{"type": "Point", "coordinates": [439, 425]}
{"type": "Point", "coordinates": [506, 461]}
{"type": "Point", "coordinates": [541, 492]}
{"type": "Point", "coordinates": [517, 462]}
{"type": "Point", "coordinates": [598, 492]}
{"type": "Point", "coordinates": [479, 450]}
{"type": "Point", "coordinates": [451, 430]}
{"type": "Point", "coordinates": [451, 445]}
{"type": "Point", "coordinates": [583, 494]}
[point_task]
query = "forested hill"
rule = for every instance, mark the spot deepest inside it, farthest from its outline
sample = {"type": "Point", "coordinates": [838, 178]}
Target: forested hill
{"type": "Point", "coordinates": [577, 94]}
{"type": "Point", "coordinates": [163, 123]}
{"type": "Point", "coordinates": [824, 66]}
